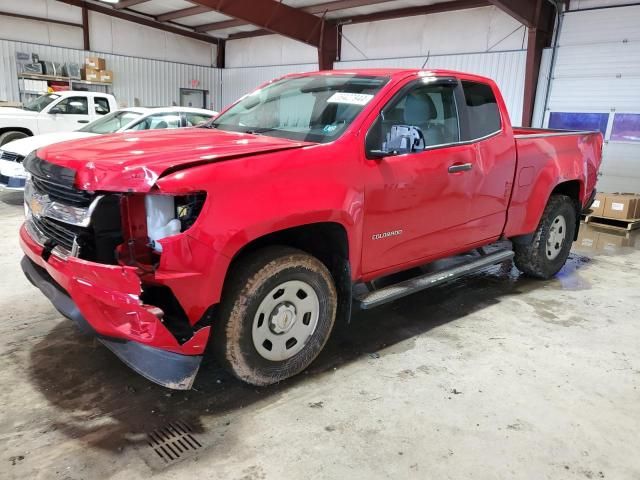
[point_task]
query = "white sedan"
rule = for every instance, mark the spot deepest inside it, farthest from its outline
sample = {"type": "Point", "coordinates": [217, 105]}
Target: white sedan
{"type": "Point", "coordinates": [12, 173]}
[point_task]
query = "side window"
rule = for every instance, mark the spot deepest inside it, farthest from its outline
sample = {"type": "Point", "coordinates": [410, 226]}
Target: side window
{"type": "Point", "coordinates": [101, 105]}
{"type": "Point", "coordinates": [425, 116]}
{"type": "Point", "coordinates": [195, 119]}
{"type": "Point", "coordinates": [73, 106]}
{"type": "Point", "coordinates": [482, 108]}
{"type": "Point", "coordinates": [159, 121]}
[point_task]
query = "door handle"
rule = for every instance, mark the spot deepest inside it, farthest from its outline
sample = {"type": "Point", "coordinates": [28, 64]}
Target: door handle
{"type": "Point", "coordinates": [460, 167]}
{"type": "Point", "coordinates": [83, 121]}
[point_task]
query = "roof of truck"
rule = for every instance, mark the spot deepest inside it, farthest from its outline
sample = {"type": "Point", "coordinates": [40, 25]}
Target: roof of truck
{"type": "Point", "coordinates": [395, 73]}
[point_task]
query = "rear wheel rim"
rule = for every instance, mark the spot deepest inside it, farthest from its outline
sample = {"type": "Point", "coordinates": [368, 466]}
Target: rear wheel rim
{"type": "Point", "coordinates": [286, 320]}
{"type": "Point", "coordinates": [556, 237]}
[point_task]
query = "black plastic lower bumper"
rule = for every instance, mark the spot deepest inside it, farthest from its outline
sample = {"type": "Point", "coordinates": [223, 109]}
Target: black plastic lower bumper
{"type": "Point", "coordinates": [168, 369]}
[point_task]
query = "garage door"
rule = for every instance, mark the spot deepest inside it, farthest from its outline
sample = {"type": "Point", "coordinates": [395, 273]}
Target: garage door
{"type": "Point", "coordinates": [596, 85]}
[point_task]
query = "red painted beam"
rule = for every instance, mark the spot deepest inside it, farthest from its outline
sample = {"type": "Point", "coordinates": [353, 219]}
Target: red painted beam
{"type": "Point", "coordinates": [390, 14]}
{"type": "Point", "coordinates": [539, 37]}
{"type": "Point", "coordinates": [522, 10]}
{"type": "Point", "coordinates": [85, 28]}
{"type": "Point", "coordinates": [128, 3]}
{"type": "Point", "coordinates": [284, 20]}
{"type": "Point", "coordinates": [40, 19]}
{"type": "Point", "coordinates": [185, 12]}
{"type": "Point", "coordinates": [319, 8]}
{"type": "Point", "coordinates": [273, 16]}
{"type": "Point", "coordinates": [147, 22]}
{"type": "Point", "coordinates": [413, 11]}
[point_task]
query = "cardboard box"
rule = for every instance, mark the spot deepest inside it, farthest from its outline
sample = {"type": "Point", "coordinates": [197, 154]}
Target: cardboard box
{"type": "Point", "coordinates": [621, 206]}
{"type": "Point", "coordinates": [597, 208]}
{"type": "Point", "coordinates": [106, 76]}
{"type": "Point", "coordinates": [95, 63]}
{"type": "Point", "coordinates": [91, 74]}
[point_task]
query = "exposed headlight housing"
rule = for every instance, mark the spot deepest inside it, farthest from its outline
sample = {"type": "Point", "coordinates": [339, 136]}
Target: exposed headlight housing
{"type": "Point", "coordinates": [169, 215]}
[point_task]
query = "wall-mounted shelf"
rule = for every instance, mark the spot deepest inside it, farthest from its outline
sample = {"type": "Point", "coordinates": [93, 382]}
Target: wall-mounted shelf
{"type": "Point", "coordinates": [53, 78]}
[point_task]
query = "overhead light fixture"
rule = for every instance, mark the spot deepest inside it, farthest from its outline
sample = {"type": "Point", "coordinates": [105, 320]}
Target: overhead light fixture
{"type": "Point", "coordinates": [110, 1]}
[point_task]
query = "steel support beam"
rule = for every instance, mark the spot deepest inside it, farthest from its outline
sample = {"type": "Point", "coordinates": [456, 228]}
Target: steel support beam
{"type": "Point", "coordinates": [85, 28]}
{"type": "Point", "coordinates": [221, 54]}
{"type": "Point", "coordinates": [40, 19]}
{"type": "Point", "coordinates": [522, 10]}
{"type": "Point", "coordinates": [385, 15]}
{"type": "Point", "coordinates": [185, 12]}
{"type": "Point", "coordinates": [539, 37]}
{"type": "Point", "coordinates": [413, 11]}
{"type": "Point", "coordinates": [128, 3]}
{"type": "Point", "coordinates": [147, 22]}
{"type": "Point", "coordinates": [273, 16]}
{"type": "Point", "coordinates": [284, 20]}
{"type": "Point", "coordinates": [319, 8]}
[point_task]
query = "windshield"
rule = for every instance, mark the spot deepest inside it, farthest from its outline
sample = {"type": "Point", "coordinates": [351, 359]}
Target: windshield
{"type": "Point", "coordinates": [314, 108]}
{"type": "Point", "coordinates": [111, 123]}
{"type": "Point", "coordinates": [40, 103]}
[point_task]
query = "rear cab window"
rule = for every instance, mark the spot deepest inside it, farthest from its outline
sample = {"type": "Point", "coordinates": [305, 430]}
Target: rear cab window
{"type": "Point", "coordinates": [483, 113]}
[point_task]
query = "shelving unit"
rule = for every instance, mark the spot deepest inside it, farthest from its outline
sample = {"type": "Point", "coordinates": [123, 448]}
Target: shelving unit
{"type": "Point", "coordinates": [25, 95]}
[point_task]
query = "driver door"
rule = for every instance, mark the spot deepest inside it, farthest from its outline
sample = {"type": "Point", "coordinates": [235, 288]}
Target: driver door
{"type": "Point", "coordinates": [418, 192]}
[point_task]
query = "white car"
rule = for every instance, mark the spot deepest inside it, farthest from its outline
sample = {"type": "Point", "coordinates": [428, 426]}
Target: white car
{"type": "Point", "coordinates": [54, 112]}
{"type": "Point", "coordinates": [12, 173]}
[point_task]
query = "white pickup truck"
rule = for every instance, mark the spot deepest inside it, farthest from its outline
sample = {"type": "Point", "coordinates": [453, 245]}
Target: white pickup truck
{"type": "Point", "coordinates": [54, 112]}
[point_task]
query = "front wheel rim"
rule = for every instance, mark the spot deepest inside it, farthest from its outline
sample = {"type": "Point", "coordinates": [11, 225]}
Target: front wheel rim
{"type": "Point", "coordinates": [286, 320]}
{"type": "Point", "coordinates": [556, 237]}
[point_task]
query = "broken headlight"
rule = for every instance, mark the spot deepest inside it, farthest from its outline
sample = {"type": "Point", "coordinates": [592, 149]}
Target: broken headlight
{"type": "Point", "coordinates": [169, 215]}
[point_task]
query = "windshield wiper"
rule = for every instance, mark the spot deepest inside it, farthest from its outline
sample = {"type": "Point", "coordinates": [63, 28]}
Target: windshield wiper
{"type": "Point", "coordinates": [258, 131]}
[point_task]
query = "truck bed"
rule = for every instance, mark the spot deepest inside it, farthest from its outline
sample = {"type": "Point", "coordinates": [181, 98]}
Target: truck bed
{"type": "Point", "coordinates": [546, 158]}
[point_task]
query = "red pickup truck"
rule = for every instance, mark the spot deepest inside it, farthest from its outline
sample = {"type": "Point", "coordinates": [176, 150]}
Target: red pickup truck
{"type": "Point", "coordinates": [257, 232]}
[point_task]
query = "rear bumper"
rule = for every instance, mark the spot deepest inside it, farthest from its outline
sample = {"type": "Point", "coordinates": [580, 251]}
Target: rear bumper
{"type": "Point", "coordinates": [104, 300]}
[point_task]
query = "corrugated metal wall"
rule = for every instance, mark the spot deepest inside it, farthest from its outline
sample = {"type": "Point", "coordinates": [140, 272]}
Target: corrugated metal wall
{"type": "Point", "coordinates": [597, 70]}
{"type": "Point", "coordinates": [507, 69]}
{"type": "Point", "coordinates": [137, 80]}
{"type": "Point", "coordinates": [239, 81]}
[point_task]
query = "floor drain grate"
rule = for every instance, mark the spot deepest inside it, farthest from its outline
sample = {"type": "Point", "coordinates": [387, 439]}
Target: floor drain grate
{"type": "Point", "coordinates": [173, 441]}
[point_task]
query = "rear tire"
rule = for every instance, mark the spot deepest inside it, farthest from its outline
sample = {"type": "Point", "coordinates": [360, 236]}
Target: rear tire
{"type": "Point", "coordinates": [277, 313]}
{"type": "Point", "coordinates": [549, 250]}
{"type": "Point", "coordinates": [10, 136]}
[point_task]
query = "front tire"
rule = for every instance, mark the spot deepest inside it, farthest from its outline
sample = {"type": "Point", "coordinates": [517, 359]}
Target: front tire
{"type": "Point", "coordinates": [10, 136]}
{"type": "Point", "coordinates": [549, 250]}
{"type": "Point", "coordinates": [276, 315]}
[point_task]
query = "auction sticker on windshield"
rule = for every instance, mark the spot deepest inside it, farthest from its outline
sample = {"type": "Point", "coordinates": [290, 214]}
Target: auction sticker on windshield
{"type": "Point", "coordinates": [350, 98]}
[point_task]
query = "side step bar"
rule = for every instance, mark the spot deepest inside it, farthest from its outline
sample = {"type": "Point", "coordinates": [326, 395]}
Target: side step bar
{"type": "Point", "coordinates": [402, 289]}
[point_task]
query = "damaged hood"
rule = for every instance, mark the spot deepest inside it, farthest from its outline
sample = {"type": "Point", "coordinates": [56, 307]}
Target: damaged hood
{"type": "Point", "coordinates": [133, 161]}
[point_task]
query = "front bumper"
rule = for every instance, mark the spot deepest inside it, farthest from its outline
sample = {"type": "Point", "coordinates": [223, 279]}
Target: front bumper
{"type": "Point", "coordinates": [12, 176]}
{"type": "Point", "coordinates": [104, 300]}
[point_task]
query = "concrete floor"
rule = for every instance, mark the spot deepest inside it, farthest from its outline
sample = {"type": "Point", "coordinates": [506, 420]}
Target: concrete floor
{"type": "Point", "coordinates": [494, 377]}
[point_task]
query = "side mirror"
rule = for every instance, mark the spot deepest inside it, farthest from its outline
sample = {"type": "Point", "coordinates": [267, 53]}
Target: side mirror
{"type": "Point", "coordinates": [55, 110]}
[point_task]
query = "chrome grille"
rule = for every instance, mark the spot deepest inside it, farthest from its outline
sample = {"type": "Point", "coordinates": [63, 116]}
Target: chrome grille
{"type": "Point", "coordinates": [58, 233]}
{"type": "Point", "coordinates": [10, 156]}
{"type": "Point", "coordinates": [62, 193]}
